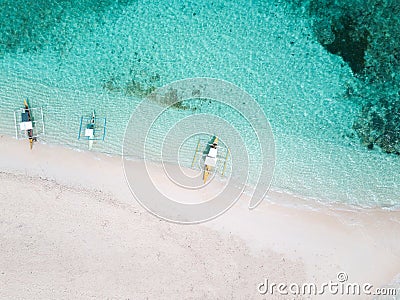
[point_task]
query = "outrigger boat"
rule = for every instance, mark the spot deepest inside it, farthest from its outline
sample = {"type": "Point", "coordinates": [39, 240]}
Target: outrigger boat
{"type": "Point", "coordinates": [93, 130]}
{"type": "Point", "coordinates": [211, 159]}
{"type": "Point", "coordinates": [27, 124]}
{"type": "Point", "coordinates": [211, 156]}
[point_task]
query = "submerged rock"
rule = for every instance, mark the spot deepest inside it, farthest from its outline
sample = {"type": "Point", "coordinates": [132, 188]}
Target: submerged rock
{"type": "Point", "coordinates": [379, 125]}
{"type": "Point", "coordinates": [350, 43]}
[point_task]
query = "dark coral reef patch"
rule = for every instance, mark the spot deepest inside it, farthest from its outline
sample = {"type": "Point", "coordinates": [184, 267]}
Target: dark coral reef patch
{"type": "Point", "coordinates": [378, 123]}
{"type": "Point", "coordinates": [366, 34]}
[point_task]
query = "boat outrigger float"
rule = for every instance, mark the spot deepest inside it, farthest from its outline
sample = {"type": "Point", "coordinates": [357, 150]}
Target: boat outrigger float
{"type": "Point", "coordinates": [26, 126]}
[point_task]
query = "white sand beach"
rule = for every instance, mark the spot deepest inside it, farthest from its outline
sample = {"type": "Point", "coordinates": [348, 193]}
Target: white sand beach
{"type": "Point", "coordinates": [70, 228]}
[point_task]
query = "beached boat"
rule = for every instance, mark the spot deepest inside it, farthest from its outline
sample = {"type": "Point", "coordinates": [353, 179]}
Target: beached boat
{"type": "Point", "coordinates": [213, 152]}
{"type": "Point", "coordinates": [92, 129]}
{"type": "Point", "coordinates": [27, 124]}
{"type": "Point", "coordinates": [211, 159]}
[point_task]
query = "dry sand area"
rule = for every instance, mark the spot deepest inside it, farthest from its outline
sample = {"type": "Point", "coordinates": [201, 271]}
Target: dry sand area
{"type": "Point", "coordinates": [70, 229]}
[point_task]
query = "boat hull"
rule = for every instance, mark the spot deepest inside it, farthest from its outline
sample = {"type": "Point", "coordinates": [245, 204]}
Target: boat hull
{"type": "Point", "coordinates": [208, 168]}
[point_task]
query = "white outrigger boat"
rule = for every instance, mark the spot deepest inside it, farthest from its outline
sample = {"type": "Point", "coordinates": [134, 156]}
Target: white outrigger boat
{"type": "Point", "coordinates": [92, 128]}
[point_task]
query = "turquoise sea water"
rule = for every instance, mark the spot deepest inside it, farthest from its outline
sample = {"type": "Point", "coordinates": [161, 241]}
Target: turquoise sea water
{"type": "Point", "coordinates": [71, 57]}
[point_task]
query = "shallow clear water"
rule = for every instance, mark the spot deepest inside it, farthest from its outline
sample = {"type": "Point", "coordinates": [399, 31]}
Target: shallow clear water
{"type": "Point", "coordinates": [107, 56]}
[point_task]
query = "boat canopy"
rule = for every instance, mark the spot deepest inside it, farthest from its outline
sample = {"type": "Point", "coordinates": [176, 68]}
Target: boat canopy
{"type": "Point", "coordinates": [25, 125]}
{"type": "Point", "coordinates": [211, 158]}
{"type": "Point", "coordinates": [210, 161]}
